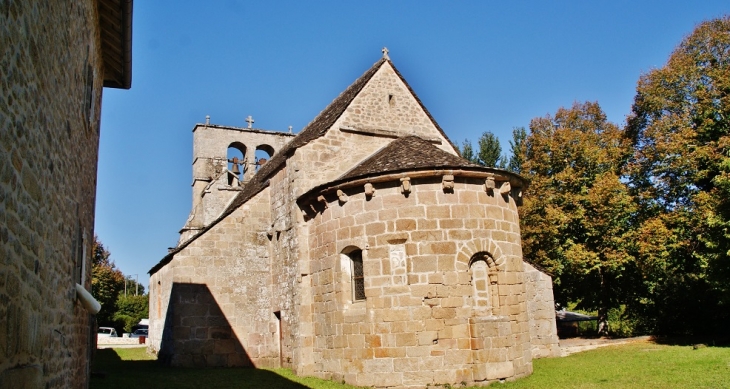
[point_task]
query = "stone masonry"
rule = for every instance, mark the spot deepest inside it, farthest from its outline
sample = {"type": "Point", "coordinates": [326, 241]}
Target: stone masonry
{"type": "Point", "coordinates": [365, 250]}
{"type": "Point", "coordinates": [53, 60]}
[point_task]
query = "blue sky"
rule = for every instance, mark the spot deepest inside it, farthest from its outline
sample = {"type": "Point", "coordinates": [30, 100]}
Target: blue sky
{"type": "Point", "coordinates": [476, 65]}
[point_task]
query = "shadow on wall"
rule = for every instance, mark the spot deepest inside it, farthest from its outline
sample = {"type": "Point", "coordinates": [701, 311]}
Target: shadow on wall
{"type": "Point", "coordinates": [135, 371]}
{"type": "Point", "coordinates": [197, 333]}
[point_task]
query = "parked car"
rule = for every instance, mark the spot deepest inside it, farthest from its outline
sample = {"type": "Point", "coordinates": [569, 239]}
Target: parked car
{"type": "Point", "coordinates": [138, 333]}
{"type": "Point", "coordinates": [107, 332]}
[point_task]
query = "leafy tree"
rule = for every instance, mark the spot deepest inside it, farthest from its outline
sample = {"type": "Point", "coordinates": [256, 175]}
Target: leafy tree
{"type": "Point", "coordinates": [467, 151]}
{"type": "Point", "coordinates": [490, 151]}
{"type": "Point", "coordinates": [130, 310]}
{"type": "Point", "coordinates": [681, 174]}
{"type": "Point", "coordinates": [106, 283]}
{"type": "Point", "coordinates": [516, 146]}
{"type": "Point", "coordinates": [577, 212]}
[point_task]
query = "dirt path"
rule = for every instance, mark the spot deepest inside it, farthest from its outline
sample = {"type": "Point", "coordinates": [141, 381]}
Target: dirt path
{"type": "Point", "coordinates": [576, 345]}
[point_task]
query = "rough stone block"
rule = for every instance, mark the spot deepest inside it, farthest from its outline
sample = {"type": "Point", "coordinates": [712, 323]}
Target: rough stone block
{"type": "Point", "coordinates": [500, 370]}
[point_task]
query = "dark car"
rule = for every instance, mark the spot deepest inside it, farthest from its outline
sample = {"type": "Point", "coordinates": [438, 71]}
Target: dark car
{"type": "Point", "coordinates": [138, 333]}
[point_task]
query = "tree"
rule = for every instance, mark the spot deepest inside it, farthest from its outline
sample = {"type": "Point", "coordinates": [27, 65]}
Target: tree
{"type": "Point", "coordinates": [516, 146]}
{"type": "Point", "coordinates": [680, 173]}
{"type": "Point", "coordinates": [130, 310]}
{"type": "Point", "coordinates": [467, 152]}
{"type": "Point", "coordinates": [106, 282]}
{"type": "Point", "coordinates": [576, 217]}
{"type": "Point", "coordinates": [490, 151]}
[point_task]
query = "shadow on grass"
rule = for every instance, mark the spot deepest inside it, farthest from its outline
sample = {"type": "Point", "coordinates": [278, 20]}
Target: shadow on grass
{"type": "Point", "coordinates": [110, 371]}
{"type": "Point", "coordinates": [694, 341]}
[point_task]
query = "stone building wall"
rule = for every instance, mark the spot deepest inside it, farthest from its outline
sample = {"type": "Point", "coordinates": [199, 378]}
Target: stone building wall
{"type": "Point", "coordinates": [212, 303]}
{"type": "Point", "coordinates": [384, 110]}
{"type": "Point", "coordinates": [420, 323]}
{"type": "Point", "coordinates": [50, 98]}
{"type": "Point", "coordinates": [284, 261]}
{"type": "Point", "coordinates": [541, 311]}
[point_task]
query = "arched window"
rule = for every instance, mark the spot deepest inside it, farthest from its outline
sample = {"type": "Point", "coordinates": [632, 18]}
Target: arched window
{"type": "Point", "coordinates": [358, 278]}
{"type": "Point", "coordinates": [485, 290]}
{"type": "Point", "coordinates": [352, 275]}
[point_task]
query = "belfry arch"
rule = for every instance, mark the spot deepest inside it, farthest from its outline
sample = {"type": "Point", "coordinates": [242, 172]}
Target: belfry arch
{"type": "Point", "coordinates": [236, 156]}
{"type": "Point", "coordinates": [263, 153]}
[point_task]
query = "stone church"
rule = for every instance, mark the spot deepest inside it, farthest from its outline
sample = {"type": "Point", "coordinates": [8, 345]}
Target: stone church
{"type": "Point", "coordinates": [364, 249]}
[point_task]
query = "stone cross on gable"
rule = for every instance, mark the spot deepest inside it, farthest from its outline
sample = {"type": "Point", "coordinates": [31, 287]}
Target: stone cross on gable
{"type": "Point", "coordinates": [385, 53]}
{"type": "Point", "coordinates": [250, 121]}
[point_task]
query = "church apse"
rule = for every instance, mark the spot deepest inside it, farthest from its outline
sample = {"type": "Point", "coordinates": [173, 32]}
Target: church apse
{"type": "Point", "coordinates": [441, 273]}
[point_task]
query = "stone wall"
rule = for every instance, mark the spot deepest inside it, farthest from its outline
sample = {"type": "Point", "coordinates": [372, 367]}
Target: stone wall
{"type": "Point", "coordinates": [50, 99]}
{"type": "Point", "coordinates": [212, 305]}
{"type": "Point", "coordinates": [420, 323]}
{"type": "Point", "coordinates": [541, 311]}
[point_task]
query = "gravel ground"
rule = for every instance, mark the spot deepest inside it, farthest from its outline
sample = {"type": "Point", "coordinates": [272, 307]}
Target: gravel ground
{"type": "Point", "coordinates": [576, 345]}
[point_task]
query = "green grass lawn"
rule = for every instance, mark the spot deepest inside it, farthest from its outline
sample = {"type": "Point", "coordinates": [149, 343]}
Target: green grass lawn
{"type": "Point", "coordinates": [637, 365]}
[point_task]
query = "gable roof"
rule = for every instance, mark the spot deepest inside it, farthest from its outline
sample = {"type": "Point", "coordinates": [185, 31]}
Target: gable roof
{"type": "Point", "coordinates": [315, 129]}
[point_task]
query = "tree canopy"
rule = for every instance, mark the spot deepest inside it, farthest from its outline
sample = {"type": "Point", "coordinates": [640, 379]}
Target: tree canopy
{"type": "Point", "coordinates": [636, 219]}
{"type": "Point", "coordinates": [108, 287]}
{"type": "Point", "coordinates": [107, 282]}
{"type": "Point", "coordinates": [577, 211]}
{"type": "Point", "coordinates": [680, 174]}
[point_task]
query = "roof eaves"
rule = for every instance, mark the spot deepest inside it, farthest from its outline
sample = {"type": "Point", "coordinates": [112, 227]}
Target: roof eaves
{"type": "Point", "coordinates": [115, 25]}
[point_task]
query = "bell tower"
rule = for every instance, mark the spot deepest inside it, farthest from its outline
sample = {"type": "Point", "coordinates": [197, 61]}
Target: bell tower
{"type": "Point", "coordinates": [224, 161]}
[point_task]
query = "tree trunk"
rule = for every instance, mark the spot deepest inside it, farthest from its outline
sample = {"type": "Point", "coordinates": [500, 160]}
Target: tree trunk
{"type": "Point", "coordinates": [603, 308]}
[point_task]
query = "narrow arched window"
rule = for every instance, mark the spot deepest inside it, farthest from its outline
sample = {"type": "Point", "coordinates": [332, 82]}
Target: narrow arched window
{"type": "Point", "coordinates": [358, 279]}
{"type": "Point", "coordinates": [485, 290]}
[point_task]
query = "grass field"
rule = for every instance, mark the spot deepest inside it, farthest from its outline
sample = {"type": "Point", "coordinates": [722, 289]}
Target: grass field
{"type": "Point", "coordinates": [637, 365]}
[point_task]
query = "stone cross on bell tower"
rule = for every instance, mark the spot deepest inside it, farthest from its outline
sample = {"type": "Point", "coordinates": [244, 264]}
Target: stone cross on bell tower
{"type": "Point", "coordinates": [385, 52]}
{"type": "Point", "coordinates": [250, 121]}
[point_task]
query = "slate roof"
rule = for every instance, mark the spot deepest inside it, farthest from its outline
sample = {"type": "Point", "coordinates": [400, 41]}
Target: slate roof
{"type": "Point", "coordinates": [404, 154]}
{"type": "Point", "coordinates": [315, 129]}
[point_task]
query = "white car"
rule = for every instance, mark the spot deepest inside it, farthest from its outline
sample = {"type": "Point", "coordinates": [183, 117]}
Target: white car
{"type": "Point", "coordinates": [107, 332]}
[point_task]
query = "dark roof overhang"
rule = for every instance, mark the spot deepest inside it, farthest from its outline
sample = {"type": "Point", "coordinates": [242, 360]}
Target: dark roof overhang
{"type": "Point", "coordinates": [115, 25]}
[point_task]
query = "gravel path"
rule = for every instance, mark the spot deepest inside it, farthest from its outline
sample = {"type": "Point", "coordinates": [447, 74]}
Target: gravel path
{"type": "Point", "coordinates": [576, 345]}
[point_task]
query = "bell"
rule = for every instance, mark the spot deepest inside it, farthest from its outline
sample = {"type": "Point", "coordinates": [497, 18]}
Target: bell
{"type": "Point", "coordinates": [235, 170]}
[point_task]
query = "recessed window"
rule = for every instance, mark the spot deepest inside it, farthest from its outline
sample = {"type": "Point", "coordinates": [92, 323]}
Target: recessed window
{"type": "Point", "coordinates": [484, 283]}
{"type": "Point", "coordinates": [358, 278]}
